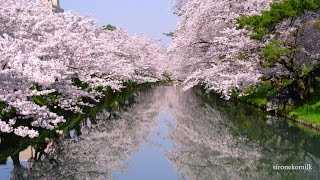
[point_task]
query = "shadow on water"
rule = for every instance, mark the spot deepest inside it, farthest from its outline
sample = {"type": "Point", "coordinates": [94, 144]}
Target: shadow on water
{"type": "Point", "coordinates": [170, 134]}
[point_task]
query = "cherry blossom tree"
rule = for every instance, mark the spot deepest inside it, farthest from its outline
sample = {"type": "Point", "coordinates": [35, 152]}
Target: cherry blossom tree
{"type": "Point", "coordinates": [209, 49]}
{"type": "Point", "coordinates": [49, 50]}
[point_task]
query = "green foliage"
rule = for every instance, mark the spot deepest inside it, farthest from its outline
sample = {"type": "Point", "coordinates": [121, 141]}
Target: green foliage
{"type": "Point", "coordinates": [46, 100]}
{"type": "Point", "coordinates": [305, 69]}
{"type": "Point", "coordinates": [265, 23]}
{"type": "Point", "coordinates": [308, 111]}
{"type": "Point", "coordinates": [272, 53]}
{"type": "Point", "coordinates": [2, 106]}
{"type": "Point", "coordinates": [6, 115]}
{"type": "Point", "coordinates": [80, 84]}
{"type": "Point", "coordinates": [109, 27]}
{"type": "Point", "coordinates": [258, 95]}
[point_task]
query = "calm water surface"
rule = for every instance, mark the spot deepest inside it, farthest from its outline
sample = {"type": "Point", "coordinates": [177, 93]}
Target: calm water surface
{"type": "Point", "coordinates": [170, 134]}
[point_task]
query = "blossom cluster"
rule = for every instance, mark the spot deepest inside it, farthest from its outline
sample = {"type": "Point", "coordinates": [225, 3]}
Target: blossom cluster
{"type": "Point", "coordinates": [47, 49]}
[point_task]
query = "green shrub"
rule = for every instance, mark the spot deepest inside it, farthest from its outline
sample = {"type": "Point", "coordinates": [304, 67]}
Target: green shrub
{"type": "Point", "coordinates": [272, 53]}
{"type": "Point", "coordinates": [258, 95]}
{"type": "Point", "coordinates": [265, 23]}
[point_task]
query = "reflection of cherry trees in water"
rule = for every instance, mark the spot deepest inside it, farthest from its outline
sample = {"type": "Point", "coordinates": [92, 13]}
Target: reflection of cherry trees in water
{"type": "Point", "coordinates": [204, 146]}
{"type": "Point", "coordinates": [225, 143]}
{"type": "Point", "coordinates": [217, 141]}
{"type": "Point", "coordinates": [108, 145]}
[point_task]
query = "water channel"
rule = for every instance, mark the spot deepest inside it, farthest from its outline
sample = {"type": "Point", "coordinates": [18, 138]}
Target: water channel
{"type": "Point", "coordinates": [171, 134]}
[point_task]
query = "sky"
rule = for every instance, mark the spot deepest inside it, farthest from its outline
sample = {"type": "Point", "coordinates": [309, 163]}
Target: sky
{"type": "Point", "coordinates": [151, 18]}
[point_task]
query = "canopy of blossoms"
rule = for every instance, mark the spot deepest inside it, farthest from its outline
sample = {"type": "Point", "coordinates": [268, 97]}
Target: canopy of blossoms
{"type": "Point", "coordinates": [45, 49]}
{"type": "Point", "coordinates": [209, 49]}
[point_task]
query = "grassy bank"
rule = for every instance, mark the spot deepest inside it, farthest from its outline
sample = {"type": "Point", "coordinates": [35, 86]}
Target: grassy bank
{"type": "Point", "coordinates": [305, 113]}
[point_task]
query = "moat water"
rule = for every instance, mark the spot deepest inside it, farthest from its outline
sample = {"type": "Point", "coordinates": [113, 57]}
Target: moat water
{"type": "Point", "coordinates": [171, 134]}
